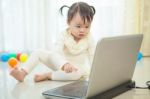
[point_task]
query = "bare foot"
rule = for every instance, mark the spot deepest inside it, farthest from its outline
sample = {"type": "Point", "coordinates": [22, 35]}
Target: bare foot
{"type": "Point", "coordinates": [18, 74]}
{"type": "Point", "coordinates": [42, 77]}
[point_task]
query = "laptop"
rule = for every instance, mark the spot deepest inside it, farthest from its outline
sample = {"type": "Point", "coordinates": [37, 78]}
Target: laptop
{"type": "Point", "coordinates": [113, 65]}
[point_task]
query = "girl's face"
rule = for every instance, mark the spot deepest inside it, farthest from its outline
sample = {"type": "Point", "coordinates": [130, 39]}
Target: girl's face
{"type": "Point", "coordinates": [78, 28]}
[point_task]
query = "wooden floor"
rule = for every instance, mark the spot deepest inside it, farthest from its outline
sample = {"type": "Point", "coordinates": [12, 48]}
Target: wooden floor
{"type": "Point", "coordinates": [11, 89]}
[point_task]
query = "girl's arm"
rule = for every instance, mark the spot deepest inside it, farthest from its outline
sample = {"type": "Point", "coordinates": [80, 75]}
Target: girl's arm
{"type": "Point", "coordinates": [59, 48]}
{"type": "Point", "coordinates": [61, 61]}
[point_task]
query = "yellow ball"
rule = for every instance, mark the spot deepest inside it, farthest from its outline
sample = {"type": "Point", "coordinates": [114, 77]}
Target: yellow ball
{"type": "Point", "coordinates": [23, 57]}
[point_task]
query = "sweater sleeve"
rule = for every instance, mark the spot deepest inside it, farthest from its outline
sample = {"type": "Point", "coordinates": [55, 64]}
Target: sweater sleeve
{"type": "Point", "coordinates": [59, 47]}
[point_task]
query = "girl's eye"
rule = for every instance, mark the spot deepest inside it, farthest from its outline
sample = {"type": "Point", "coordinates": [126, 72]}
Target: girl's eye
{"type": "Point", "coordinates": [78, 26]}
{"type": "Point", "coordinates": [87, 27]}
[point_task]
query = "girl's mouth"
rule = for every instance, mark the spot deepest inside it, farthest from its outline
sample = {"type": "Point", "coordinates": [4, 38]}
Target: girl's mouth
{"type": "Point", "coordinates": [81, 35]}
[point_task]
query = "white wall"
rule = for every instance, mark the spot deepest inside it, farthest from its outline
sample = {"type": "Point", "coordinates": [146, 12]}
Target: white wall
{"type": "Point", "coordinates": [32, 24]}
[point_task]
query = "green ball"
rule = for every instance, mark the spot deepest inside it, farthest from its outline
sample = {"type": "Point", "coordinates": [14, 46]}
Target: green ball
{"type": "Point", "coordinates": [12, 55]}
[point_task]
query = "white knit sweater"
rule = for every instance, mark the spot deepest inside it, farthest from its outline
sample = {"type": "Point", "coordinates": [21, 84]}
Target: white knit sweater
{"type": "Point", "coordinates": [79, 53]}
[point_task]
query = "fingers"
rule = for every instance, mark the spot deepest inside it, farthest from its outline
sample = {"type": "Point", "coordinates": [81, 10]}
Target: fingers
{"type": "Point", "coordinates": [68, 68]}
{"type": "Point", "coordinates": [75, 69]}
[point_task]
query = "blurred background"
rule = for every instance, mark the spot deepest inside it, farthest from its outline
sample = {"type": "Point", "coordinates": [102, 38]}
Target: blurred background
{"type": "Point", "coordinates": [26, 25]}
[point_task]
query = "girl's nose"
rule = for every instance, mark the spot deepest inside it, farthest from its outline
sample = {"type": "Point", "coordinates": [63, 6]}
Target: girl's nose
{"type": "Point", "coordinates": [82, 30]}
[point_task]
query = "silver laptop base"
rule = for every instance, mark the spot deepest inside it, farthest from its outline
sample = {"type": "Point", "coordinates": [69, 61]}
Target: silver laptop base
{"type": "Point", "coordinates": [109, 94]}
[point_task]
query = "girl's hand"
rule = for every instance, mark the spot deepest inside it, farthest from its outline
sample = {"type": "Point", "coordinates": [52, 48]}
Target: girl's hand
{"type": "Point", "coordinates": [68, 68]}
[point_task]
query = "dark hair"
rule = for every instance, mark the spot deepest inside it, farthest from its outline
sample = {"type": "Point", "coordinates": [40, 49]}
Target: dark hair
{"type": "Point", "coordinates": [86, 11]}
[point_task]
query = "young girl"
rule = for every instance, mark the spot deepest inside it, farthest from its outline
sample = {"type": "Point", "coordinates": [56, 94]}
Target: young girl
{"type": "Point", "coordinates": [74, 47]}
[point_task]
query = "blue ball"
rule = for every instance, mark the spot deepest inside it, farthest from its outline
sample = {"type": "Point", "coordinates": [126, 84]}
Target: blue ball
{"type": "Point", "coordinates": [140, 55]}
{"type": "Point", "coordinates": [5, 57]}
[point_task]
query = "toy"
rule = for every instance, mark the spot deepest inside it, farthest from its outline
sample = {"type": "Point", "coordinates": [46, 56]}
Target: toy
{"type": "Point", "coordinates": [4, 57]}
{"type": "Point", "coordinates": [23, 57]}
{"type": "Point", "coordinates": [12, 55]}
{"type": "Point", "coordinates": [12, 62]}
{"type": "Point", "coordinates": [140, 55]}
{"type": "Point", "coordinates": [18, 56]}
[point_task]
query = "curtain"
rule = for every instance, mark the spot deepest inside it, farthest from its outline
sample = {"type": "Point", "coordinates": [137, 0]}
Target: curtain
{"type": "Point", "coordinates": [145, 26]}
{"type": "Point", "coordinates": [132, 17]}
{"type": "Point", "coordinates": [26, 25]}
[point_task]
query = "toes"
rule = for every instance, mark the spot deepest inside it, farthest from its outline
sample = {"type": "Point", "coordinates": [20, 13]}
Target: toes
{"type": "Point", "coordinates": [18, 75]}
{"type": "Point", "coordinates": [38, 78]}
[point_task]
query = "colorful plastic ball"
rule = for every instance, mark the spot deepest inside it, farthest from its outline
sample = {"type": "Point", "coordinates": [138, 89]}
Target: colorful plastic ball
{"type": "Point", "coordinates": [4, 57]}
{"type": "Point", "coordinates": [12, 62]}
{"type": "Point", "coordinates": [18, 56]}
{"type": "Point", "coordinates": [140, 55]}
{"type": "Point", "coordinates": [12, 55]}
{"type": "Point", "coordinates": [23, 57]}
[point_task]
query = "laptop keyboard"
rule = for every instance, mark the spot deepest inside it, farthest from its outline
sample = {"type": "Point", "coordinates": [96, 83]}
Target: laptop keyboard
{"type": "Point", "coordinates": [75, 89]}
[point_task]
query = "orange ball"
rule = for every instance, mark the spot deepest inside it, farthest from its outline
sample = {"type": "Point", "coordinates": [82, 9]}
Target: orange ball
{"type": "Point", "coordinates": [12, 62]}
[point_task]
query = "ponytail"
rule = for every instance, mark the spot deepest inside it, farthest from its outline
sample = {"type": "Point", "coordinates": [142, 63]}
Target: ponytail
{"type": "Point", "coordinates": [93, 9]}
{"type": "Point", "coordinates": [61, 9]}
